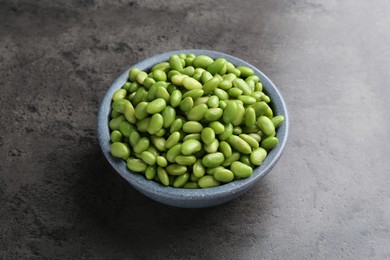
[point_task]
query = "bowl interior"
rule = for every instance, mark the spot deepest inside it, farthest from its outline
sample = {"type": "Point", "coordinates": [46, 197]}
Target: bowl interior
{"type": "Point", "coordinates": [192, 197]}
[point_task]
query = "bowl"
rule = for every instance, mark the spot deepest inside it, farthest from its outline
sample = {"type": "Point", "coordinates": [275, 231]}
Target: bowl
{"type": "Point", "coordinates": [192, 198]}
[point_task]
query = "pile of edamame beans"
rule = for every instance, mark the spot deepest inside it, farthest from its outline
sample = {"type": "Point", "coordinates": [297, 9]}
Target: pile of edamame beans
{"type": "Point", "coordinates": [193, 122]}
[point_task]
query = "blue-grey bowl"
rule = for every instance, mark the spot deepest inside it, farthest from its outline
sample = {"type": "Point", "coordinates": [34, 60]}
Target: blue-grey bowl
{"type": "Point", "coordinates": [192, 198]}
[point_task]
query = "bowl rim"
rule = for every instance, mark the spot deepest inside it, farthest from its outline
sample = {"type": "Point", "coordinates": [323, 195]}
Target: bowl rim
{"type": "Point", "coordinates": [153, 189]}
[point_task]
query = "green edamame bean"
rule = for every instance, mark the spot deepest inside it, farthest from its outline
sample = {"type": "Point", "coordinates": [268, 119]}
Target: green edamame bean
{"type": "Point", "coordinates": [201, 100]}
{"type": "Point", "coordinates": [178, 79]}
{"type": "Point", "coordinates": [163, 66]}
{"type": "Point", "coordinates": [136, 165]}
{"type": "Point", "coordinates": [150, 172]}
{"type": "Point", "coordinates": [277, 120]}
{"type": "Point", "coordinates": [241, 170]}
{"type": "Point", "coordinates": [241, 84]}
{"type": "Point", "coordinates": [192, 136]}
{"type": "Point", "coordinates": [257, 95]}
{"type": "Point", "coordinates": [160, 133]}
{"type": "Point", "coordinates": [254, 78]}
{"type": "Point", "coordinates": [256, 136]}
{"type": "Point", "coordinates": [250, 140]}
{"type": "Point", "coordinates": [190, 146]}
{"type": "Point", "coordinates": [191, 185]}
{"type": "Point", "coordinates": [189, 71]}
{"type": "Point", "coordinates": [217, 66]}
{"type": "Point", "coordinates": [206, 76]}
{"type": "Point", "coordinates": [186, 104]}
{"type": "Point", "coordinates": [251, 84]}
{"type": "Point", "coordinates": [221, 94]}
{"type": "Point", "coordinates": [171, 87]}
{"type": "Point", "coordinates": [175, 63]}
{"type": "Point", "coordinates": [198, 170]}
{"type": "Point", "coordinates": [213, 159]}
{"type": "Point", "coordinates": [115, 114]}
{"type": "Point", "coordinates": [208, 135]}
{"type": "Point", "coordinates": [140, 110]}
{"type": "Point", "coordinates": [119, 105]}
{"type": "Point", "coordinates": [152, 92]}
{"type": "Point", "coordinates": [153, 150]}
{"type": "Point", "coordinates": [266, 126]}
{"type": "Point", "coordinates": [227, 132]}
{"type": "Point", "coordinates": [134, 87]}
{"type": "Point", "coordinates": [142, 125]}
{"type": "Point", "coordinates": [259, 87]}
{"type": "Point", "coordinates": [160, 75]}
{"type": "Point", "coordinates": [173, 152]}
{"type": "Point", "coordinates": [245, 71]}
{"type": "Point", "coordinates": [211, 85]}
{"type": "Point", "coordinates": [244, 158]}
{"type": "Point", "coordinates": [223, 175]}
{"type": "Point", "coordinates": [257, 156]}
{"type": "Point", "coordinates": [266, 98]}
{"type": "Point", "coordinates": [222, 104]}
{"type": "Point", "coordinates": [213, 101]}
{"type": "Point", "coordinates": [115, 136]}
{"type": "Point", "coordinates": [119, 94]}
{"type": "Point", "coordinates": [247, 100]}
{"type": "Point", "coordinates": [185, 159]}
{"type": "Point", "coordinates": [213, 147]}
{"type": "Point", "coordinates": [148, 157]}
{"type": "Point", "coordinates": [163, 176]}
{"type": "Point", "coordinates": [197, 112]}
{"type": "Point", "coordinates": [237, 130]}
{"type": "Point", "coordinates": [269, 113]}
{"type": "Point", "coordinates": [195, 93]}
{"type": "Point", "coordinates": [126, 128]}
{"type": "Point", "coordinates": [133, 74]}
{"type": "Point", "coordinates": [208, 181]}
{"type": "Point", "coordinates": [225, 148]}
{"type": "Point", "coordinates": [260, 108]}
{"type": "Point", "coordinates": [172, 73]}
{"type": "Point", "coordinates": [176, 98]}
{"type": "Point", "coordinates": [114, 123]}
{"type": "Point", "coordinates": [202, 61]}
{"type": "Point", "coordinates": [176, 125]}
{"type": "Point", "coordinates": [269, 142]}
{"type": "Point", "coordinates": [230, 112]}
{"type": "Point", "coordinates": [156, 106]}
{"type": "Point", "coordinates": [213, 114]}
{"type": "Point", "coordinates": [172, 140]}
{"type": "Point", "coordinates": [162, 92]}
{"type": "Point", "coordinates": [239, 114]}
{"type": "Point", "coordinates": [156, 123]}
{"type": "Point", "coordinates": [120, 150]}
{"type": "Point", "coordinates": [126, 86]}
{"type": "Point", "coordinates": [158, 142]}
{"type": "Point", "coordinates": [148, 82]}
{"type": "Point", "coordinates": [250, 117]}
{"type": "Point", "coordinates": [230, 68]}
{"type": "Point", "coordinates": [225, 85]}
{"type": "Point", "coordinates": [191, 83]}
{"type": "Point", "coordinates": [142, 145]}
{"type": "Point", "coordinates": [130, 113]}
{"type": "Point", "coordinates": [176, 169]}
{"type": "Point", "coordinates": [134, 138]}
{"type": "Point", "coordinates": [169, 115]}
{"type": "Point", "coordinates": [192, 127]}
{"type": "Point", "coordinates": [161, 161]}
{"type": "Point", "coordinates": [141, 76]}
{"type": "Point", "coordinates": [193, 177]}
{"type": "Point", "coordinates": [217, 126]}
{"type": "Point", "coordinates": [181, 180]}
{"type": "Point", "coordinates": [234, 157]}
{"type": "Point", "coordinates": [239, 144]}
{"type": "Point", "coordinates": [211, 171]}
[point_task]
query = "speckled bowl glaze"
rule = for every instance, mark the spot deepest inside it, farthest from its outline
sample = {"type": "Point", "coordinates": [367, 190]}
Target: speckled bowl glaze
{"type": "Point", "coordinates": [192, 198]}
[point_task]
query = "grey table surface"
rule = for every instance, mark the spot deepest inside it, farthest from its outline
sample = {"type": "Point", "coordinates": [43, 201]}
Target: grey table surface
{"type": "Point", "coordinates": [327, 198]}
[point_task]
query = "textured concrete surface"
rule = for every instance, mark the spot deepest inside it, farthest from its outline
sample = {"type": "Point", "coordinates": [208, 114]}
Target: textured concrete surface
{"type": "Point", "coordinates": [329, 196]}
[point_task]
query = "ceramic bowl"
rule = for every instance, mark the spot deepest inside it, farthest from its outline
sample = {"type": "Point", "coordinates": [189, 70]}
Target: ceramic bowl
{"type": "Point", "coordinates": [192, 198]}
